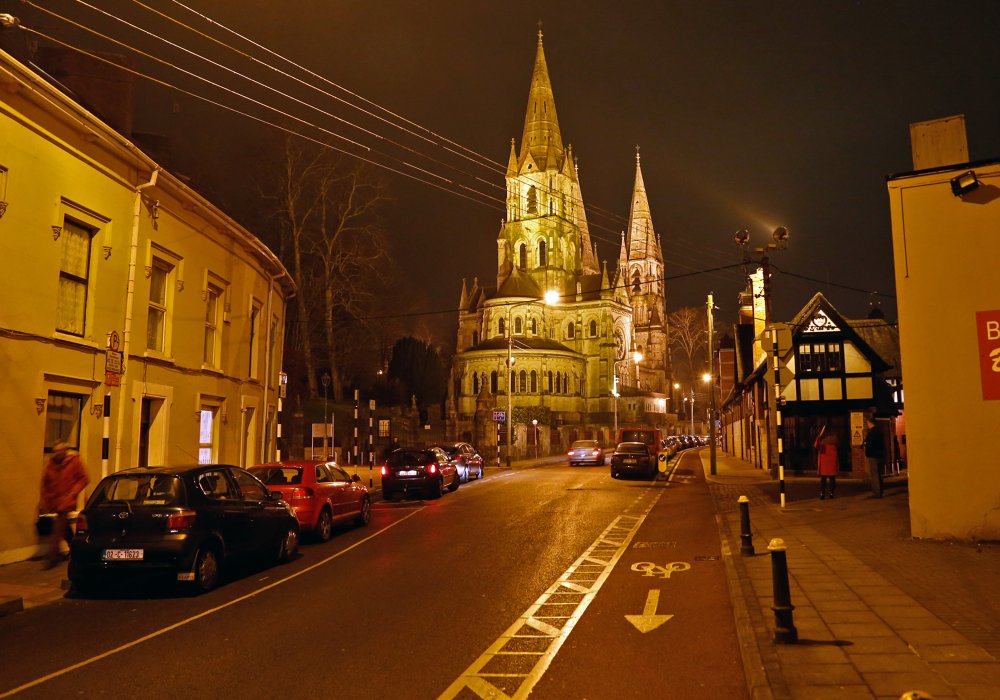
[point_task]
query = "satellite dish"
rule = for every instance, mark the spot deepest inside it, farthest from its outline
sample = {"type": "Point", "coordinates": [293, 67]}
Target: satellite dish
{"type": "Point", "coordinates": [741, 237]}
{"type": "Point", "coordinates": [780, 234]}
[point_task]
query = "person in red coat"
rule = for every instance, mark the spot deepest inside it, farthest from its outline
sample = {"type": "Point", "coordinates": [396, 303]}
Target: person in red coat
{"type": "Point", "coordinates": [827, 462]}
{"type": "Point", "coordinates": [62, 481]}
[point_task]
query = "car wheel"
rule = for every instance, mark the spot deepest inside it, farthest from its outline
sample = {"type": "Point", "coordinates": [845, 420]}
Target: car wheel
{"type": "Point", "coordinates": [437, 488]}
{"type": "Point", "coordinates": [324, 526]}
{"type": "Point", "coordinates": [206, 569]}
{"type": "Point", "coordinates": [453, 486]}
{"type": "Point", "coordinates": [288, 546]}
{"type": "Point", "coordinates": [365, 515]}
{"type": "Point", "coordinates": [614, 474]}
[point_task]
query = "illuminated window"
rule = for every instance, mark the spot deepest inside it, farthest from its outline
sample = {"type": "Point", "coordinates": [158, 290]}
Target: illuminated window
{"type": "Point", "coordinates": [816, 358]}
{"type": "Point", "coordinates": [74, 277]}
{"type": "Point", "coordinates": [208, 434]}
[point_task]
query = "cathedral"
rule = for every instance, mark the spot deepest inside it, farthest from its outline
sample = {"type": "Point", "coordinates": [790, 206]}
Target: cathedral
{"type": "Point", "coordinates": [579, 345]}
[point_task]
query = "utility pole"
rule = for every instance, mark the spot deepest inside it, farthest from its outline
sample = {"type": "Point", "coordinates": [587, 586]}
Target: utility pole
{"type": "Point", "coordinates": [711, 389]}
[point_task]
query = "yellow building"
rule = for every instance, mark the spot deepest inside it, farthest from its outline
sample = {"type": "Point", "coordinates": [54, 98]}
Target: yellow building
{"type": "Point", "coordinates": [137, 321]}
{"type": "Point", "coordinates": [945, 222]}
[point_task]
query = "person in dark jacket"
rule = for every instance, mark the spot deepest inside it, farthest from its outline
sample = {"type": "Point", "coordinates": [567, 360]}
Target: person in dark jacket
{"type": "Point", "coordinates": [875, 454]}
{"type": "Point", "coordinates": [62, 481]}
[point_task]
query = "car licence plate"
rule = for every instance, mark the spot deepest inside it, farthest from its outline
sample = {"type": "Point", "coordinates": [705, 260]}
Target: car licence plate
{"type": "Point", "coordinates": [628, 461]}
{"type": "Point", "coordinates": [406, 472]}
{"type": "Point", "coordinates": [122, 555]}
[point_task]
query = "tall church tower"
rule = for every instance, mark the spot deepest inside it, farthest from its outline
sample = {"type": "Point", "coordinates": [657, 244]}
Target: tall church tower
{"type": "Point", "coordinates": [641, 268]}
{"type": "Point", "coordinates": [544, 242]}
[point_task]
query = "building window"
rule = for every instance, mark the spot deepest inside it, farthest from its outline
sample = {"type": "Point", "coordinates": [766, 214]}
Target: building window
{"type": "Point", "coordinates": [636, 282]}
{"type": "Point", "coordinates": [542, 258]}
{"type": "Point", "coordinates": [522, 256]}
{"type": "Point", "coordinates": [523, 383]}
{"type": "Point", "coordinates": [533, 325]}
{"type": "Point", "coordinates": [532, 200]}
{"type": "Point", "coordinates": [156, 319]}
{"type": "Point", "coordinates": [74, 277]}
{"type": "Point", "coordinates": [62, 419]}
{"type": "Point", "coordinates": [272, 345]}
{"type": "Point", "coordinates": [558, 383]}
{"type": "Point", "coordinates": [549, 389]}
{"type": "Point", "coordinates": [502, 327]}
{"type": "Point", "coordinates": [475, 384]}
{"type": "Point", "coordinates": [493, 382]}
{"type": "Point", "coordinates": [816, 358]}
{"type": "Point", "coordinates": [518, 326]}
{"type": "Point", "coordinates": [475, 337]}
{"type": "Point", "coordinates": [254, 366]}
{"type": "Point", "coordinates": [571, 330]}
{"type": "Point", "coordinates": [534, 382]}
{"type": "Point", "coordinates": [512, 382]}
{"type": "Point", "coordinates": [212, 326]}
{"type": "Point", "coordinates": [593, 329]}
{"type": "Point", "coordinates": [208, 434]}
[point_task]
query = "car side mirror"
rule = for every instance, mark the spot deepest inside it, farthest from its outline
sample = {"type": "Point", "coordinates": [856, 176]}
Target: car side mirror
{"type": "Point", "coordinates": [355, 478]}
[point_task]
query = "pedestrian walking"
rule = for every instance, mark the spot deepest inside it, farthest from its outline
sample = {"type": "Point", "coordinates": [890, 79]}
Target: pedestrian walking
{"type": "Point", "coordinates": [875, 454]}
{"type": "Point", "coordinates": [63, 479]}
{"type": "Point", "coordinates": [827, 461]}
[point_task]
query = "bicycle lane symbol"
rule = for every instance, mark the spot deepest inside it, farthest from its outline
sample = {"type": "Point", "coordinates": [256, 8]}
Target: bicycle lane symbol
{"type": "Point", "coordinates": [648, 568]}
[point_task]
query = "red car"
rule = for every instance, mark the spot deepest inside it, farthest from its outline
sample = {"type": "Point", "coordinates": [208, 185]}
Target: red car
{"type": "Point", "coordinates": [320, 493]}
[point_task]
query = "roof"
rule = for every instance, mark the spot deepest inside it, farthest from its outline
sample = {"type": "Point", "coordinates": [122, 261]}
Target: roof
{"type": "Point", "coordinates": [521, 343]}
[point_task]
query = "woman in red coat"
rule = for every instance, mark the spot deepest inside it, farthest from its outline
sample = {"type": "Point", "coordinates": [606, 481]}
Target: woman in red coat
{"type": "Point", "coordinates": [827, 462]}
{"type": "Point", "coordinates": [62, 481]}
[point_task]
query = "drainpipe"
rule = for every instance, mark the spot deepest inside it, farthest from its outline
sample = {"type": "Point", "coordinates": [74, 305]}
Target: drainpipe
{"type": "Point", "coordinates": [129, 302]}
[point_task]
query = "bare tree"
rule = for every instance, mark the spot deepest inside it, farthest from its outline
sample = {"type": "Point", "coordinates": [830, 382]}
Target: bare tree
{"type": "Point", "coordinates": [688, 336]}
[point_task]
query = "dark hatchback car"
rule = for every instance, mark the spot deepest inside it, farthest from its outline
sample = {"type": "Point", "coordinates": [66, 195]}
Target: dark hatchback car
{"type": "Point", "coordinates": [187, 522]}
{"type": "Point", "coordinates": [424, 471]}
{"type": "Point", "coordinates": [633, 458]}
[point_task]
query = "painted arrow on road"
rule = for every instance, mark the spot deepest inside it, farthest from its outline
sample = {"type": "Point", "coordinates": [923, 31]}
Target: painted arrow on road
{"type": "Point", "coordinates": [649, 620]}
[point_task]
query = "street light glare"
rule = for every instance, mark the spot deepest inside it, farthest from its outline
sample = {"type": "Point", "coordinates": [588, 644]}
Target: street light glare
{"type": "Point", "coordinates": [706, 377]}
{"type": "Point", "coordinates": [637, 356]}
{"type": "Point", "coordinates": [551, 297]}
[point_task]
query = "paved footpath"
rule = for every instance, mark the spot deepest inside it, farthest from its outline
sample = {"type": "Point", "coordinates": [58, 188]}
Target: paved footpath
{"type": "Point", "coordinates": [878, 613]}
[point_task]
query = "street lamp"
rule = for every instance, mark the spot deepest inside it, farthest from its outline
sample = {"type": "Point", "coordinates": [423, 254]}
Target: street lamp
{"type": "Point", "coordinates": [550, 299]}
{"type": "Point", "coordinates": [534, 422]}
{"type": "Point", "coordinates": [637, 358]}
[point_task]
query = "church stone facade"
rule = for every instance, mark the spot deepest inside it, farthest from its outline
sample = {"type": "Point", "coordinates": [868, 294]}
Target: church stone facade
{"type": "Point", "coordinates": [565, 355]}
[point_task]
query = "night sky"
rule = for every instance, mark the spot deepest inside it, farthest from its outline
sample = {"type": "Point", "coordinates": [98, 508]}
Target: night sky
{"type": "Point", "coordinates": [748, 114]}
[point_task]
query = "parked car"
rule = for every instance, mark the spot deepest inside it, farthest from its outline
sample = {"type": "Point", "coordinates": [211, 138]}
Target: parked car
{"type": "Point", "coordinates": [671, 445]}
{"type": "Point", "coordinates": [585, 452]}
{"type": "Point", "coordinates": [418, 470]}
{"type": "Point", "coordinates": [320, 493]}
{"type": "Point", "coordinates": [186, 521]}
{"type": "Point", "coordinates": [465, 458]}
{"type": "Point", "coordinates": [633, 458]}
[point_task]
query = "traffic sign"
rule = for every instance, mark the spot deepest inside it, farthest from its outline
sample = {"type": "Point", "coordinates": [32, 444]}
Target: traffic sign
{"type": "Point", "coordinates": [500, 416]}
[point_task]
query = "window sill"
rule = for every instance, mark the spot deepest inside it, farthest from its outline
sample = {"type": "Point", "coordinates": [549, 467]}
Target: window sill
{"type": "Point", "coordinates": [76, 340]}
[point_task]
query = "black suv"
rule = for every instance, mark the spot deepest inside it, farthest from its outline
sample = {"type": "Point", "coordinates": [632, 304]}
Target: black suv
{"type": "Point", "coordinates": [424, 471]}
{"type": "Point", "coordinates": [183, 521]}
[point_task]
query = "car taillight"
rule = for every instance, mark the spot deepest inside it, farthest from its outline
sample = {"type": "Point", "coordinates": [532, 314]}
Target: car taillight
{"type": "Point", "coordinates": [597, 452]}
{"type": "Point", "coordinates": [385, 470]}
{"type": "Point", "coordinates": [181, 520]}
{"type": "Point", "coordinates": [432, 468]}
{"type": "Point", "coordinates": [299, 493]}
{"type": "Point", "coordinates": [81, 523]}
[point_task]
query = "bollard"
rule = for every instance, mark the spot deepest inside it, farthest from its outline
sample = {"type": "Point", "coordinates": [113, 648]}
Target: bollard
{"type": "Point", "coordinates": [746, 538]}
{"type": "Point", "coordinates": [784, 626]}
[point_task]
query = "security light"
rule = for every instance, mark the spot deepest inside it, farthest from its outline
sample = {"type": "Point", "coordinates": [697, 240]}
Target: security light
{"type": "Point", "coordinates": [964, 183]}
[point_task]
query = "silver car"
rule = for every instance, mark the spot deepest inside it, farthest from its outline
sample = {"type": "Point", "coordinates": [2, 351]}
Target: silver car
{"type": "Point", "coordinates": [585, 452]}
{"type": "Point", "coordinates": [467, 461]}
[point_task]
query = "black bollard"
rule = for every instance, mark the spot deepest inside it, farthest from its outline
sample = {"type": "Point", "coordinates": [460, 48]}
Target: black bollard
{"type": "Point", "coordinates": [784, 626]}
{"type": "Point", "coordinates": [746, 537]}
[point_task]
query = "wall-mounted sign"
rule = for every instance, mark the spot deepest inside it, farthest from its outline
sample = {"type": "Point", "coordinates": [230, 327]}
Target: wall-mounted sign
{"type": "Point", "coordinates": [988, 331]}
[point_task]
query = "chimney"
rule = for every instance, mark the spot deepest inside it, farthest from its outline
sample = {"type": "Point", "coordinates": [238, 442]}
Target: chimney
{"type": "Point", "coordinates": [939, 142]}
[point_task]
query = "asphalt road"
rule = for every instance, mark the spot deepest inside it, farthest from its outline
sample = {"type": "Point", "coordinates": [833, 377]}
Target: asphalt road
{"type": "Point", "coordinates": [555, 581]}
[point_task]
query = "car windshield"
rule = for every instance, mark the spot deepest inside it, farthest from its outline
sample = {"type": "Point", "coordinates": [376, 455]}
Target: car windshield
{"type": "Point", "coordinates": [584, 444]}
{"type": "Point", "coordinates": [632, 447]}
{"type": "Point", "coordinates": [450, 450]}
{"type": "Point", "coordinates": [409, 458]}
{"type": "Point", "coordinates": [139, 489]}
{"type": "Point", "coordinates": [277, 476]}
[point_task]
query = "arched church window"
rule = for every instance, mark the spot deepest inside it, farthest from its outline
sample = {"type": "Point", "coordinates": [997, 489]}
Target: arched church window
{"type": "Point", "coordinates": [532, 200]}
{"type": "Point", "coordinates": [475, 384]}
{"type": "Point", "coordinates": [493, 382]}
{"type": "Point", "coordinates": [534, 382]}
{"type": "Point", "coordinates": [558, 383]}
{"type": "Point", "coordinates": [565, 383]}
{"type": "Point", "coordinates": [518, 326]}
{"type": "Point", "coordinates": [593, 329]}
{"type": "Point", "coordinates": [502, 327]}
{"type": "Point", "coordinates": [475, 337]}
{"type": "Point", "coordinates": [636, 286]}
{"type": "Point", "coordinates": [523, 385]}
{"type": "Point", "coordinates": [522, 256]}
{"type": "Point", "coordinates": [549, 388]}
{"type": "Point", "coordinates": [533, 326]}
{"type": "Point", "coordinates": [542, 258]}
{"type": "Point", "coordinates": [571, 330]}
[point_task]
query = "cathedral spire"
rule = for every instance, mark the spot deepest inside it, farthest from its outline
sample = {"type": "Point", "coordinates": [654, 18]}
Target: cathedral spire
{"type": "Point", "coordinates": [641, 237]}
{"type": "Point", "coordinates": [512, 161]}
{"type": "Point", "coordinates": [541, 138]}
{"type": "Point", "coordinates": [589, 259]}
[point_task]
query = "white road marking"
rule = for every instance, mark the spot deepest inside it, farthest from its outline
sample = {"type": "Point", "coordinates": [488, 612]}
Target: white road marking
{"type": "Point", "coordinates": [205, 613]}
{"type": "Point", "coordinates": [649, 620]}
{"type": "Point", "coordinates": [547, 620]}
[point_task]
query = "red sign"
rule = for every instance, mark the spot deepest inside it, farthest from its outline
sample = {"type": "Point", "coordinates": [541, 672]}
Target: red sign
{"type": "Point", "coordinates": [988, 330]}
{"type": "Point", "coordinates": [112, 379]}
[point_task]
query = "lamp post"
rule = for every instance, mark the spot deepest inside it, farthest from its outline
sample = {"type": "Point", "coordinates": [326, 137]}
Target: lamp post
{"type": "Point", "coordinates": [711, 389]}
{"type": "Point", "coordinates": [534, 423]}
{"type": "Point", "coordinates": [325, 379]}
{"type": "Point", "coordinates": [551, 297]}
{"type": "Point", "coordinates": [637, 358]}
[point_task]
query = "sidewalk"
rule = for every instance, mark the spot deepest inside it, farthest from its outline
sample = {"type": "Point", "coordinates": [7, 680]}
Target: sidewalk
{"type": "Point", "coordinates": [877, 612]}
